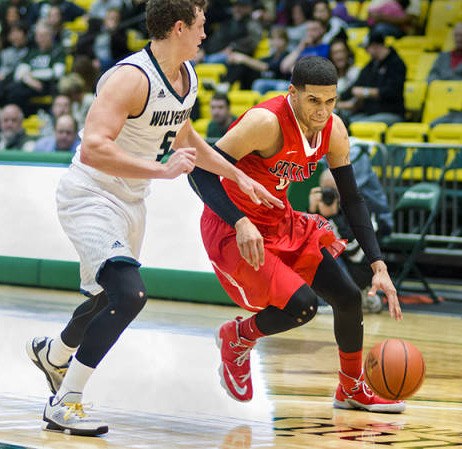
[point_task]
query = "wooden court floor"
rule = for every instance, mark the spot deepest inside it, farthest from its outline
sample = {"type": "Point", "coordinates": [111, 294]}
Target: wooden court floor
{"type": "Point", "coordinates": [159, 386]}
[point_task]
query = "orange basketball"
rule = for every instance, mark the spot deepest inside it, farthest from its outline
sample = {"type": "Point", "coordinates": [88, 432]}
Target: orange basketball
{"type": "Point", "coordinates": [394, 369]}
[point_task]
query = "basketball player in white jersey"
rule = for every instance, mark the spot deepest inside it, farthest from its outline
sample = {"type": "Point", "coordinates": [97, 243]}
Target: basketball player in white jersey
{"type": "Point", "coordinates": [140, 113]}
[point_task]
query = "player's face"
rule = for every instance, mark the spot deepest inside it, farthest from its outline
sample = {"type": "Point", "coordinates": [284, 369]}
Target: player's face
{"type": "Point", "coordinates": [194, 35]}
{"type": "Point", "coordinates": [313, 105]}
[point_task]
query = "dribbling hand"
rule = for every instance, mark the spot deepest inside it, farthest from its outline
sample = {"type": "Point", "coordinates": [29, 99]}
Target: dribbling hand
{"type": "Point", "coordinates": [181, 161]}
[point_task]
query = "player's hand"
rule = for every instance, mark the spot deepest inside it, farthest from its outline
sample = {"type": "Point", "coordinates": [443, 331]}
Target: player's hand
{"type": "Point", "coordinates": [250, 243]}
{"type": "Point", "coordinates": [381, 281]}
{"type": "Point", "coordinates": [180, 161]}
{"type": "Point", "coordinates": [257, 193]}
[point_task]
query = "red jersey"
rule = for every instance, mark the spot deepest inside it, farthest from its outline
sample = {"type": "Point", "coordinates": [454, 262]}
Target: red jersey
{"type": "Point", "coordinates": [296, 162]}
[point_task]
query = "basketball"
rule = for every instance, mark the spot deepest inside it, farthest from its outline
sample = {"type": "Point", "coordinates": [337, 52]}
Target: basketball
{"type": "Point", "coordinates": [394, 369]}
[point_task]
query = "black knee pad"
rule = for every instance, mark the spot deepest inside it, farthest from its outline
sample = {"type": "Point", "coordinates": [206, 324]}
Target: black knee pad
{"type": "Point", "coordinates": [303, 305]}
{"type": "Point", "coordinates": [124, 287]}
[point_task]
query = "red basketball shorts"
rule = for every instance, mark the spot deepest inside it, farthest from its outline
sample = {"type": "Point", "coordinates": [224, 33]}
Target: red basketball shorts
{"type": "Point", "coordinates": [292, 255]}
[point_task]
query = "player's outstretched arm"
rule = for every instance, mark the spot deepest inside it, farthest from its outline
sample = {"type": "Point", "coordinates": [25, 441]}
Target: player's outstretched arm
{"type": "Point", "coordinates": [358, 216]}
{"type": "Point", "coordinates": [214, 162]}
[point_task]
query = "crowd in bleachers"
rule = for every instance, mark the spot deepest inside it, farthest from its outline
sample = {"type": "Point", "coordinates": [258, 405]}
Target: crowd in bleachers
{"type": "Point", "coordinates": [399, 61]}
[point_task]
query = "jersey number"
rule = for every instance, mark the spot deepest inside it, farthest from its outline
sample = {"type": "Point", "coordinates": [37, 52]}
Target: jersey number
{"type": "Point", "coordinates": [166, 144]}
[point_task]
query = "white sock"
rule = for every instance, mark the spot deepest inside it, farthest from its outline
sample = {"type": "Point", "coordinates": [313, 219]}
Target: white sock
{"type": "Point", "coordinates": [75, 379]}
{"type": "Point", "coordinates": [59, 353]}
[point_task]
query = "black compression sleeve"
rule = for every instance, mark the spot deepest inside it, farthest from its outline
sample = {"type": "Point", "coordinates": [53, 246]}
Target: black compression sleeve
{"type": "Point", "coordinates": [209, 189]}
{"type": "Point", "coordinates": [355, 209]}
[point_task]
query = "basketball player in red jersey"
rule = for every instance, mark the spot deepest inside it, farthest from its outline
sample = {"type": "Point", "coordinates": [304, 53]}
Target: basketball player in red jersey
{"type": "Point", "coordinates": [276, 263]}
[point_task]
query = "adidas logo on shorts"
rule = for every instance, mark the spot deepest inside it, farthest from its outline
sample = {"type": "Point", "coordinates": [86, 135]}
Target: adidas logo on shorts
{"type": "Point", "coordinates": [117, 244]}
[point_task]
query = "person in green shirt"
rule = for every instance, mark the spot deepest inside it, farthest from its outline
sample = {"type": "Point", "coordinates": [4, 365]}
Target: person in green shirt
{"type": "Point", "coordinates": [221, 117]}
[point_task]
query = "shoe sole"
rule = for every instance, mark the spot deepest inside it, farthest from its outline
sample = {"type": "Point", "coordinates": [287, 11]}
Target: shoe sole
{"type": "Point", "coordinates": [35, 359]}
{"type": "Point", "coordinates": [349, 404]}
{"type": "Point", "coordinates": [51, 426]}
{"type": "Point", "coordinates": [219, 343]}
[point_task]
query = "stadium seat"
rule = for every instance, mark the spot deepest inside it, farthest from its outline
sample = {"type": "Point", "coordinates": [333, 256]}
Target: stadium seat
{"type": "Point", "coordinates": [212, 72]}
{"type": "Point", "coordinates": [356, 35]}
{"type": "Point", "coordinates": [372, 131]}
{"type": "Point", "coordinates": [32, 125]}
{"type": "Point", "coordinates": [200, 125]}
{"type": "Point", "coordinates": [353, 7]}
{"type": "Point", "coordinates": [441, 15]}
{"type": "Point", "coordinates": [134, 40]}
{"type": "Point", "coordinates": [442, 96]}
{"type": "Point", "coordinates": [242, 100]}
{"type": "Point", "coordinates": [78, 25]}
{"type": "Point", "coordinates": [425, 164]}
{"type": "Point", "coordinates": [272, 94]}
{"type": "Point", "coordinates": [414, 99]}
{"type": "Point", "coordinates": [263, 49]}
{"type": "Point", "coordinates": [424, 64]}
{"type": "Point", "coordinates": [406, 132]}
{"type": "Point", "coordinates": [414, 214]}
{"type": "Point", "coordinates": [204, 97]}
{"type": "Point", "coordinates": [446, 133]}
{"type": "Point", "coordinates": [411, 59]}
{"type": "Point", "coordinates": [416, 43]}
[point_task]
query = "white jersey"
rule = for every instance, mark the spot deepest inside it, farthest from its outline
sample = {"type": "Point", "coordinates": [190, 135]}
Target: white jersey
{"type": "Point", "coordinates": [149, 135]}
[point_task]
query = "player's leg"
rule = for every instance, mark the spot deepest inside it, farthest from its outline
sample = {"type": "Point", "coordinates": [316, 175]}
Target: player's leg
{"type": "Point", "coordinates": [53, 355]}
{"type": "Point", "coordinates": [345, 298]}
{"type": "Point", "coordinates": [126, 297]}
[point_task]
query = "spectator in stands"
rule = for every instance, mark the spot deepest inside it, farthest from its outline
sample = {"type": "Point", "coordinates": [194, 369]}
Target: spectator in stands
{"type": "Point", "coordinates": [73, 86]}
{"type": "Point", "coordinates": [335, 27]}
{"type": "Point", "coordinates": [311, 45]}
{"type": "Point", "coordinates": [38, 73]}
{"type": "Point", "coordinates": [221, 117]}
{"type": "Point", "coordinates": [343, 59]}
{"type": "Point", "coordinates": [11, 16]}
{"type": "Point", "coordinates": [11, 56]}
{"type": "Point", "coordinates": [133, 13]}
{"type": "Point", "coordinates": [394, 17]}
{"type": "Point", "coordinates": [295, 18]}
{"type": "Point", "coordinates": [12, 133]}
{"type": "Point", "coordinates": [99, 8]}
{"type": "Point", "coordinates": [84, 67]}
{"type": "Point", "coordinates": [448, 64]}
{"type": "Point", "coordinates": [62, 36]}
{"type": "Point", "coordinates": [69, 10]}
{"type": "Point", "coordinates": [377, 94]}
{"type": "Point", "coordinates": [261, 74]}
{"type": "Point", "coordinates": [340, 10]}
{"type": "Point", "coordinates": [240, 33]}
{"type": "Point", "coordinates": [325, 200]}
{"type": "Point", "coordinates": [61, 105]}
{"type": "Point", "coordinates": [65, 137]}
{"type": "Point", "coordinates": [104, 43]}
{"type": "Point", "coordinates": [24, 8]}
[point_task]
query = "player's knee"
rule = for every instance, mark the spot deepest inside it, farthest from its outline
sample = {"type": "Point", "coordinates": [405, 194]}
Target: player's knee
{"type": "Point", "coordinates": [125, 289]}
{"type": "Point", "coordinates": [303, 305]}
{"type": "Point", "coordinates": [349, 299]}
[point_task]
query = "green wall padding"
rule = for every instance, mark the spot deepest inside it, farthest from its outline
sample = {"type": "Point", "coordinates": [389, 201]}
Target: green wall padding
{"type": "Point", "coordinates": [19, 271]}
{"type": "Point", "coordinates": [36, 158]}
{"type": "Point", "coordinates": [160, 283]}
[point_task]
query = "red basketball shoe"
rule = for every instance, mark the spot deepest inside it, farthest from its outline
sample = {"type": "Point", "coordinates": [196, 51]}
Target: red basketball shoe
{"type": "Point", "coordinates": [355, 394]}
{"type": "Point", "coordinates": [235, 357]}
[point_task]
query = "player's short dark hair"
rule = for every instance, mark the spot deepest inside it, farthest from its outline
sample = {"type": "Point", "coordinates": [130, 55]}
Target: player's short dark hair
{"type": "Point", "coordinates": [161, 15]}
{"type": "Point", "coordinates": [221, 96]}
{"type": "Point", "coordinates": [314, 70]}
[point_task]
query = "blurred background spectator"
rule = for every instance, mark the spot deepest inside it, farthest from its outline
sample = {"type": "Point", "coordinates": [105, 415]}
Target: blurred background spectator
{"type": "Point", "coordinates": [12, 133]}
{"type": "Point", "coordinates": [377, 95]}
{"type": "Point", "coordinates": [221, 117]}
{"type": "Point", "coordinates": [65, 137]}
{"type": "Point", "coordinates": [38, 73]}
{"type": "Point", "coordinates": [261, 74]}
{"type": "Point", "coordinates": [15, 51]}
{"type": "Point", "coordinates": [61, 105]}
{"type": "Point", "coordinates": [335, 27]}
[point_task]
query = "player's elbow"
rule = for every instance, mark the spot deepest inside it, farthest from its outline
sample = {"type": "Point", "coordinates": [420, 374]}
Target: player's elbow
{"type": "Point", "coordinates": [92, 151]}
